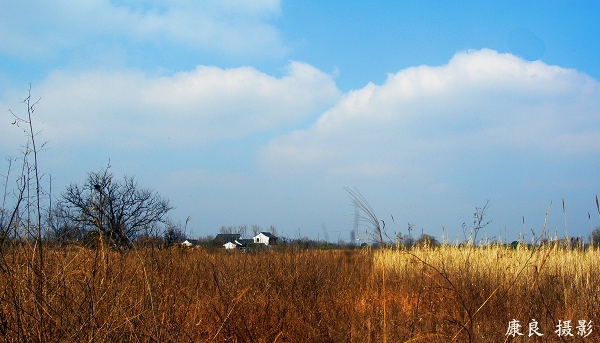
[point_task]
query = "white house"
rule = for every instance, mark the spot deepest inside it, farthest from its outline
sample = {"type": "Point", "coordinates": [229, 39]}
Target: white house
{"type": "Point", "coordinates": [265, 238]}
{"type": "Point", "coordinates": [230, 245]}
{"type": "Point", "coordinates": [235, 244]}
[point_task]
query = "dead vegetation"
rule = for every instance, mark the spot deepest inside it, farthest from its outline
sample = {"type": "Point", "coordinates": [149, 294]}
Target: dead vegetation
{"type": "Point", "coordinates": [446, 294]}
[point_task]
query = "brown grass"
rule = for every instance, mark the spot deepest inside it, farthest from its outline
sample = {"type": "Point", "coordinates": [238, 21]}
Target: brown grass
{"type": "Point", "coordinates": [192, 295]}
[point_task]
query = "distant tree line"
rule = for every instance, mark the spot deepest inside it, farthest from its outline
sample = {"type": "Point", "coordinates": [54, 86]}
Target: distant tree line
{"type": "Point", "coordinates": [243, 230]}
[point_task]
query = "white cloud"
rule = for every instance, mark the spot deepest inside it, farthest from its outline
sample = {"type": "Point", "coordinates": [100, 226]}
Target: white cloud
{"type": "Point", "coordinates": [423, 118]}
{"type": "Point", "coordinates": [131, 109]}
{"type": "Point", "coordinates": [39, 28]}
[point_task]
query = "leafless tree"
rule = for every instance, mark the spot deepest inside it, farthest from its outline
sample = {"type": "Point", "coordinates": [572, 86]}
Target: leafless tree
{"type": "Point", "coordinates": [273, 230]}
{"type": "Point", "coordinates": [61, 229]}
{"type": "Point", "coordinates": [118, 210]}
{"type": "Point", "coordinates": [256, 229]}
{"type": "Point", "coordinates": [227, 230]}
{"type": "Point", "coordinates": [173, 234]}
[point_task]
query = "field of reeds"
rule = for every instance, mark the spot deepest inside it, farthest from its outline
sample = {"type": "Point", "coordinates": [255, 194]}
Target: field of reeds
{"type": "Point", "coordinates": [442, 294]}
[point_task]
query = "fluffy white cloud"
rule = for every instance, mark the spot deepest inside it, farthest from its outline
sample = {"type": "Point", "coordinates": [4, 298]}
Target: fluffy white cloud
{"type": "Point", "coordinates": [38, 28]}
{"type": "Point", "coordinates": [423, 118]}
{"type": "Point", "coordinates": [132, 109]}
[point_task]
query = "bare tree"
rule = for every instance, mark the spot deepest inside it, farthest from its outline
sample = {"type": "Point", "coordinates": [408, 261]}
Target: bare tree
{"type": "Point", "coordinates": [173, 234]}
{"type": "Point", "coordinates": [61, 229]}
{"type": "Point", "coordinates": [117, 210]}
{"type": "Point", "coordinates": [273, 230]}
{"type": "Point", "coordinates": [256, 229]}
{"type": "Point", "coordinates": [227, 230]}
{"type": "Point", "coordinates": [243, 230]}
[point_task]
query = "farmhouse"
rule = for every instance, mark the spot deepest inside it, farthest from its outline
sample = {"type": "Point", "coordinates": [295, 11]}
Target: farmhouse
{"type": "Point", "coordinates": [265, 238]}
{"type": "Point", "coordinates": [223, 238]}
{"type": "Point", "coordinates": [232, 245]}
{"type": "Point", "coordinates": [235, 240]}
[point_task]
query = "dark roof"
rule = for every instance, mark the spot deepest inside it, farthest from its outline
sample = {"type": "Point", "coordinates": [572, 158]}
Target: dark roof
{"type": "Point", "coordinates": [246, 241]}
{"type": "Point", "coordinates": [268, 234]}
{"type": "Point", "coordinates": [227, 237]}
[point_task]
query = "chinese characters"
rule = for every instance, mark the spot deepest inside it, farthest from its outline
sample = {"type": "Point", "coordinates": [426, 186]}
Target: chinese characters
{"type": "Point", "coordinates": [564, 328]}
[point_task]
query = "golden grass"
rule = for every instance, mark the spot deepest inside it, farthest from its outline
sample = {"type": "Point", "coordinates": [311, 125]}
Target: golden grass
{"type": "Point", "coordinates": [478, 290]}
{"type": "Point", "coordinates": [193, 295]}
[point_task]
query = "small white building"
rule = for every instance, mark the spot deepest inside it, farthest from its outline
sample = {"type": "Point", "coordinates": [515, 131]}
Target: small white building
{"type": "Point", "coordinates": [265, 238]}
{"type": "Point", "coordinates": [229, 246]}
{"type": "Point", "coordinates": [233, 245]}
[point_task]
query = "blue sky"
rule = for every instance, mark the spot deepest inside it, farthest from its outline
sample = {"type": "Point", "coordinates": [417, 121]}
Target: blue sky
{"type": "Point", "coordinates": [261, 112]}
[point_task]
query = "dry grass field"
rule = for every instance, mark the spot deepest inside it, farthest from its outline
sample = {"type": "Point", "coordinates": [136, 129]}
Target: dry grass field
{"type": "Point", "coordinates": [443, 294]}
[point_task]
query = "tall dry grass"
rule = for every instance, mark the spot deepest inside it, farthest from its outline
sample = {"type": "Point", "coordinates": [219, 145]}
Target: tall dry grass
{"type": "Point", "coordinates": [194, 295]}
{"type": "Point", "coordinates": [471, 293]}
{"type": "Point", "coordinates": [189, 295]}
